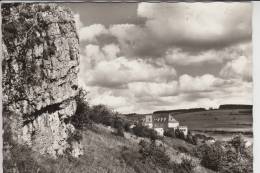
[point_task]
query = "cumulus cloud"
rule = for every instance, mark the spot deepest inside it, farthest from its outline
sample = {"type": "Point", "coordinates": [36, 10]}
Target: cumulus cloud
{"type": "Point", "coordinates": [185, 29]}
{"type": "Point", "coordinates": [141, 89]}
{"type": "Point", "coordinates": [177, 56]}
{"type": "Point", "coordinates": [198, 24]}
{"type": "Point", "coordinates": [238, 68]}
{"type": "Point", "coordinates": [105, 68]}
{"type": "Point", "coordinates": [206, 82]}
{"type": "Point", "coordinates": [132, 67]}
{"type": "Point", "coordinates": [90, 33]}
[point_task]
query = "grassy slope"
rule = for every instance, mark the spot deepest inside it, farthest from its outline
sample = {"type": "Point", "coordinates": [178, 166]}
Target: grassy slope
{"type": "Point", "coordinates": [217, 120]}
{"type": "Point", "coordinates": [107, 153]}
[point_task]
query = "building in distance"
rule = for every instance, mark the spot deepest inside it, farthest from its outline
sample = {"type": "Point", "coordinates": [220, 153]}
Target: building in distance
{"type": "Point", "coordinates": [161, 122]}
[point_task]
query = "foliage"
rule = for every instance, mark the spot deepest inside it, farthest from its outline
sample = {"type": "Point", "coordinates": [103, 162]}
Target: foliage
{"type": "Point", "coordinates": [169, 133]}
{"type": "Point", "coordinates": [238, 143]}
{"type": "Point", "coordinates": [187, 164]}
{"type": "Point", "coordinates": [226, 157]}
{"type": "Point", "coordinates": [192, 139]}
{"type": "Point", "coordinates": [74, 136]}
{"type": "Point", "coordinates": [179, 134]}
{"type": "Point", "coordinates": [81, 118]}
{"type": "Point", "coordinates": [143, 131]}
{"type": "Point", "coordinates": [100, 114]}
{"type": "Point", "coordinates": [156, 155]}
{"type": "Point", "coordinates": [213, 156]}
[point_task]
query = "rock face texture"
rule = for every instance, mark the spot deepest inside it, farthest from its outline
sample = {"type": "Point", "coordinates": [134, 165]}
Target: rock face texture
{"type": "Point", "coordinates": [40, 66]}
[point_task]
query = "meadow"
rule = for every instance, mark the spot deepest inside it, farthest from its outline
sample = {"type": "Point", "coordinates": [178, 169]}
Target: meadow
{"type": "Point", "coordinates": [219, 121]}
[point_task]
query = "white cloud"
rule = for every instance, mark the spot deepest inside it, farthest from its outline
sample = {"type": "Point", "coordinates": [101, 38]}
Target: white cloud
{"type": "Point", "coordinates": [176, 56]}
{"type": "Point", "coordinates": [90, 33]}
{"type": "Point", "coordinates": [206, 82]}
{"type": "Point", "coordinates": [238, 68]}
{"type": "Point", "coordinates": [193, 24]}
{"type": "Point", "coordinates": [140, 89]}
{"type": "Point", "coordinates": [107, 97]}
{"type": "Point", "coordinates": [102, 66]}
{"type": "Point", "coordinates": [130, 67]}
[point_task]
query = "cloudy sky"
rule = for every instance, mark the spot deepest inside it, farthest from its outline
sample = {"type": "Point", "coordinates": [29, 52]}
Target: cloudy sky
{"type": "Point", "coordinates": [157, 56]}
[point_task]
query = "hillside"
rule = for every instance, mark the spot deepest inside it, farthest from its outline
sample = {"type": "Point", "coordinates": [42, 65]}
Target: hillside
{"type": "Point", "coordinates": [105, 152]}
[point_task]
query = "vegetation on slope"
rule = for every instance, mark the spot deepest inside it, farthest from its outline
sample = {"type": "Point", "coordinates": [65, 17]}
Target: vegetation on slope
{"type": "Point", "coordinates": [110, 145]}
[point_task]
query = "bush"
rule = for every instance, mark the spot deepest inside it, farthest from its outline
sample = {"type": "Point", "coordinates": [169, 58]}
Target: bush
{"type": "Point", "coordinates": [74, 136]}
{"type": "Point", "coordinates": [127, 126]}
{"type": "Point", "coordinates": [225, 157]}
{"type": "Point", "coordinates": [81, 117]}
{"type": "Point", "coordinates": [187, 164]}
{"type": "Point", "coordinates": [143, 131]}
{"type": "Point", "coordinates": [179, 134]}
{"type": "Point", "coordinates": [101, 114]}
{"type": "Point", "coordinates": [156, 154]}
{"type": "Point", "coordinates": [192, 139]}
{"type": "Point", "coordinates": [213, 156]}
{"type": "Point", "coordinates": [238, 143]}
{"type": "Point", "coordinates": [169, 133]}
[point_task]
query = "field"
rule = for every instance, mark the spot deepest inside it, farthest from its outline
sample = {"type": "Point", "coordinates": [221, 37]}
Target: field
{"type": "Point", "coordinates": [220, 121]}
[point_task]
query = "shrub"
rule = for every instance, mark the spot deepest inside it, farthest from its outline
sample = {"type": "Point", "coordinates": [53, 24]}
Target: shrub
{"type": "Point", "coordinates": [170, 133]}
{"type": "Point", "coordinates": [238, 143]}
{"type": "Point", "coordinates": [212, 156]}
{"type": "Point", "coordinates": [143, 131]}
{"type": "Point", "coordinates": [118, 123]}
{"type": "Point", "coordinates": [99, 113]}
{"type": "Point", "coordinates": [74, 136]}
{"type": "Point", "coordinates": [183, 149]}
{"type": "Point", "coordinates": [192, 139]}
{"type": "Point", "coordinates": [224, 157]}
{"type": "Point", "coordinates": [81, 117]}
{"type": "Point", "coordinates": [127, 126]}
{"type": "Point", "coordinates": [156, 154]}
{"type": "Point", "coordinates": [187, 164]}
{"type": "Point", "coordinates": [179, 134]}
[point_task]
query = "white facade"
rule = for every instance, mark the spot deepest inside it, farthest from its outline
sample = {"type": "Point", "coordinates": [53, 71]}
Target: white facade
{"type": "Point", "coordinates": [161, 123]}
{"type": "Point", "coordinates": [184, 130]}
{"type": "Point", "coordinates": [159, 131]}
{"type": "Point", "coordinates": [148, 122]}
{"type": "Point", "coordinates": [149, 125]}
{"type": "Point", "coordinates": [173, 125]}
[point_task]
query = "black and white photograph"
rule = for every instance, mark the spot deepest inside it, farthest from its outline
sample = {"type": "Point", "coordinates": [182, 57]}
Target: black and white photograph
{"type": "Point", "coordinates": [148, 87]}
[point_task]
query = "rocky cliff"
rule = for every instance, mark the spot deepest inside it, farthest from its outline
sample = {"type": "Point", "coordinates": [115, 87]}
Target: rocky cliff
{"type": "Point", "coordinates": [40, 66]}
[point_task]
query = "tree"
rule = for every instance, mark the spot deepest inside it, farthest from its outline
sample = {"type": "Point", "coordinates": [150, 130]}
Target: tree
{"type": "Point", "coordinates": [170, 133]}
{"type": "Point", "coordinates": [179, 134]}
{"type": "Point", "coordinates": [81, 117]}
{"type": "Point", "coordinates": [238, 143]}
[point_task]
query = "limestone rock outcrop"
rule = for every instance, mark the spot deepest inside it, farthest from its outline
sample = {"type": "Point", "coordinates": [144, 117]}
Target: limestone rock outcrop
{"type": "Point", "coordinates": [40, 66]}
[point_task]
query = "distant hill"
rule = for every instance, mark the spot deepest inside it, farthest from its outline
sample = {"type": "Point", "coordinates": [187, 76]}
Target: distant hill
{"type": "Point", "coordinates": [235, 106]}
{"type": "Point", "coordinates": [180, 110]}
